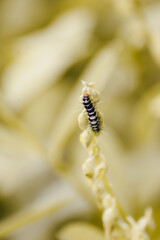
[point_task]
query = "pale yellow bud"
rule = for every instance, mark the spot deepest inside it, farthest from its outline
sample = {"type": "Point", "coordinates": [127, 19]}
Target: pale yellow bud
{"type": "Point", "coordinates": [86, 138]}
{"type": "Point", "coordinates": [89, 89]}
{"type": "Point", "coordinates": [98, 188]}
{"type": "Point", "coordinates": [95, 150]}
{"type": "Point", "coordinates": [99, 192]}
{"type": "Point", "coordinates": [107, 201]}
{"type": "Point", "coordinates": [94, 94]}
{"type": "Point", "coordinates": [87, 85]}
{"type": "Point", "coordinates": [96, 159]}
{"type": "Point", "coordinates": [146, 219]}
{"type": "Point", "coordinates": [109, 216]}
{"type": "Point", "coordinates": [88, 168]}
{"type": "Point", "coordinates": [101, 169]}
{"type": "Point", "coordinates": [82, 121]}
{"type": "Point", "coordinates": [91, 160]}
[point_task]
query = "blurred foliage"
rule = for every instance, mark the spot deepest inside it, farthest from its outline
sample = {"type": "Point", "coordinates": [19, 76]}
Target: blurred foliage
{"type": "Point", "coordinates": [46, 47]}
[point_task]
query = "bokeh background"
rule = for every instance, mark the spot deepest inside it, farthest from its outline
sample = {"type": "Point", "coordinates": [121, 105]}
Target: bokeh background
{"type": "Point", "coordinates": [46, 47]}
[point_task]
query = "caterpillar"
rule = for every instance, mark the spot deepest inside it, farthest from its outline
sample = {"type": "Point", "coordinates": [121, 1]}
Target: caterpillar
{"type": "Point", "coordinates": [92, 114]}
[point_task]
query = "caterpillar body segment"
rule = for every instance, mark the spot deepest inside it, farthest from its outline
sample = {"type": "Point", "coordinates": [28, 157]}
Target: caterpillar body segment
{"type": "Point", "coordinates": [93, 117]}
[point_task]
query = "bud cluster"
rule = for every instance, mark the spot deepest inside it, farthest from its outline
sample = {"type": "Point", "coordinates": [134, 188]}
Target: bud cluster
{"type": "Point", "coordinates": [116, 224]}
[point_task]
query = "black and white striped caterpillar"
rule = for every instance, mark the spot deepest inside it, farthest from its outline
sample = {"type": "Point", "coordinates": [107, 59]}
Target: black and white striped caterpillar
{"type": "Point", "coordinates": [92, 114]}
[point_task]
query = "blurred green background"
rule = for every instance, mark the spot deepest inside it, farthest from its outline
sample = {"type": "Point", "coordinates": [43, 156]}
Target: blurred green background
{"type": "Point", "coordinates": [46, 47]}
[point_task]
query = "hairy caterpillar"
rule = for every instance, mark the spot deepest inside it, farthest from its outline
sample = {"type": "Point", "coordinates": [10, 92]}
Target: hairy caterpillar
{"type": "Point", "coordinates": [92, 115]}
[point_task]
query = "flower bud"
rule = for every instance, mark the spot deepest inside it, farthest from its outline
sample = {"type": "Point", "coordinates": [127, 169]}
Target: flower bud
{"type": "Point", "coordinates": [95, 150]}
{"type": "Point", "coordinates": [107, 201]}
{"type": "Point", "coordinates": [82, 121]}
{"type": "Point", "coordinates": [100, 169]}
{"type": "Point", "coordinates": [88, 168]}
{"type": "Point", "coordinates": [94, 94]}
{"type": "Point", "coordinates": [86, 138]}
{"type": "Point", "coordinates": [109, 215]}
{"type": "Point", "coordinates": [99, 192]}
